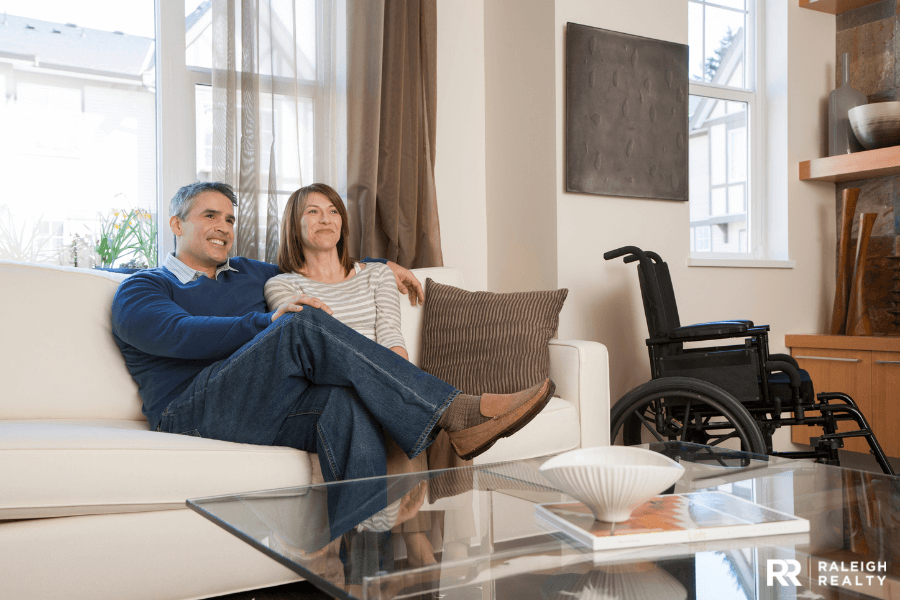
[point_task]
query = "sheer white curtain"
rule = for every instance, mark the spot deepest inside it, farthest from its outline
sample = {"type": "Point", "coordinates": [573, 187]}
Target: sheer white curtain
{"type": "Point", "coordinates": [279, 115]}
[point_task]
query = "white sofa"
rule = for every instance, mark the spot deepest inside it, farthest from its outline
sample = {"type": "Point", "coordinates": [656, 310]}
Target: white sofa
{"type": "Point", "coordinates": [92, 503]}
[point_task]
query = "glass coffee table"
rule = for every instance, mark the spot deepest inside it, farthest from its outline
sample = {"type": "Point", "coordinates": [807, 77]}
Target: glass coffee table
{"type": "Point", "coordinates": [471, 534]}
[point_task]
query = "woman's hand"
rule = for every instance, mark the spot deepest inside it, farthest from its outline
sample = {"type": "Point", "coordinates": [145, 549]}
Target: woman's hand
{"type": "Point", "coordinates": [408, 284]}
{"type": "Point", "coordinates": [296, 303]}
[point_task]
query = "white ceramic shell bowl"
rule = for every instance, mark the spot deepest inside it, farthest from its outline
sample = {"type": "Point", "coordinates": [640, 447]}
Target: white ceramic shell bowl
{"type": "Point", "coordinates": [636, 581]}
{"type": "Point", "coordinates": [876, 125]}
{"type": "Point", "coordinates": [612, 480]}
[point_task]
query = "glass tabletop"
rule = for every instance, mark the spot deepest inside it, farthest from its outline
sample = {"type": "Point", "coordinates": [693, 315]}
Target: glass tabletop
{"type": "Point", "coordinates": [471, 533]}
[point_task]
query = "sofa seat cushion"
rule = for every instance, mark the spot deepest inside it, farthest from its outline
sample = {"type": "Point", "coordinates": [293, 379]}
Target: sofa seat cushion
{"type": "Point", "coordinates": [554, 429]}
{"type": "Point", "coordinates": [52, 468]}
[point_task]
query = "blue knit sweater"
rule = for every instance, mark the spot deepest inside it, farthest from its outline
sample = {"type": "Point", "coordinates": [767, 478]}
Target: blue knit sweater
{"type": "Point", "coordinates": [169, 331]}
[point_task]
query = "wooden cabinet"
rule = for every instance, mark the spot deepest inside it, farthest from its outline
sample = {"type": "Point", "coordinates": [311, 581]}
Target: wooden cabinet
{"type": "Point", "coordinates": [865, 368]}
{"type": "Point", "coordinates": [886, 395]}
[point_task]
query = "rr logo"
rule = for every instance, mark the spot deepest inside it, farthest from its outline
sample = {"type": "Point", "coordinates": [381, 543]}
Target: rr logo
{"type": "Point", "coordinates": [786, 569]}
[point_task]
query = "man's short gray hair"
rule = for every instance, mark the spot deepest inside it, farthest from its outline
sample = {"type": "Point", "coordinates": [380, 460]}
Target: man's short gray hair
{"type": "Point", "coordinates": [183, 201]}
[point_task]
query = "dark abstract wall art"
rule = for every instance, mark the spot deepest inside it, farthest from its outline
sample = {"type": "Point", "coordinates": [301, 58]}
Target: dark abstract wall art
{"type": "Point", "coordinates": [626, 115]}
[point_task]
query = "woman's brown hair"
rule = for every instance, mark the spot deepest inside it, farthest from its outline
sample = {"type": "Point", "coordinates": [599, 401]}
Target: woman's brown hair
{"type": "Point", "coordinates": [290, 249]}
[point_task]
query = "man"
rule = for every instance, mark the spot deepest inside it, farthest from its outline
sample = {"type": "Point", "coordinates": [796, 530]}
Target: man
{"type": "Point", "coordinates": [212, 361]}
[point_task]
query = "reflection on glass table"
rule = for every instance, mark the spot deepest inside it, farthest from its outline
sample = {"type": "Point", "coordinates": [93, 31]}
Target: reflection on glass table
{"type": "Point", "coordinates": [485, 543]}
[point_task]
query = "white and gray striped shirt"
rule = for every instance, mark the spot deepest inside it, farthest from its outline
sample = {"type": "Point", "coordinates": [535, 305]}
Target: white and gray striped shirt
{"type": "Point", "coordinates": [367, 302]}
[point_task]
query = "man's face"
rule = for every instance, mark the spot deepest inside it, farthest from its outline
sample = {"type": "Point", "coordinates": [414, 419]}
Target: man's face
{"type": "Point", "coordinates": [207, 234]}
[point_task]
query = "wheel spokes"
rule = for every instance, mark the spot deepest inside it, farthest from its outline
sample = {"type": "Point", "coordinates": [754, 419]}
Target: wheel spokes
{"type": "Point", "coordinates": [687, 424]}
{"type": "Point", "coordinates": [722, 438]}
{"type": "Point", "coordinates": [686, 410]}
{"type": "Point", "coordinates": [687, 419]}
{"type": "Point", "coordinates": [647, 424]}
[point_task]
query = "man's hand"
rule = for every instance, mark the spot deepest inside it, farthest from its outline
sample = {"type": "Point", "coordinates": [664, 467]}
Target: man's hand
{"type": "Point", "coordinates": [296, 303]}
{"type": "Point", "coordinates": [408, 284]}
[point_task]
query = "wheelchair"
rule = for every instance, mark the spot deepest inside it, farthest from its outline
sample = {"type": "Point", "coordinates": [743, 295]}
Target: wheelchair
{"type": "Point", "coordinates": [711, 394]}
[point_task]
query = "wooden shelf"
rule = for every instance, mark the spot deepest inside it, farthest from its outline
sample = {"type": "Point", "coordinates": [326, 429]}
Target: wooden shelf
{"type": "Point", "coordinates": [835, 7]}
{"type": "Point", "coordinates": [875, 343]}
{"type": "Point", "coordinates": [850, 167]}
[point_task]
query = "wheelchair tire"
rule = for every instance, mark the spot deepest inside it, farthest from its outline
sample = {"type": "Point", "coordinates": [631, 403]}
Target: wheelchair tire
{"type": "Point", "coordinates": [666, 401]}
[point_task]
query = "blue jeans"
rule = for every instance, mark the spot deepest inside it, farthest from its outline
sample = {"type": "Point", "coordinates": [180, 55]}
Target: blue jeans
{"type": "Point", "coordinates": [312, 383]}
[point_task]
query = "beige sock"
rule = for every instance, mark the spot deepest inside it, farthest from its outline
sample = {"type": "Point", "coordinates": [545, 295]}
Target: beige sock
{"type": "Point", "coordinates": [463, 412]}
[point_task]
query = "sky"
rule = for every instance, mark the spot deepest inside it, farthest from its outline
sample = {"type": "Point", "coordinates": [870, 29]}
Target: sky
{"type": "Point", "coordinates": [134, 17]}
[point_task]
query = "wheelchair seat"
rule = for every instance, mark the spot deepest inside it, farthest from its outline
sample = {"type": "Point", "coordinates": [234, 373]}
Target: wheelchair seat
{"type": "Point", "coordinates": [716, 381]}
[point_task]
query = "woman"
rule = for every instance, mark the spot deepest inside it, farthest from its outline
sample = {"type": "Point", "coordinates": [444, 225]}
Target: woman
{"type": "Point", "coordinates": [315, 261]}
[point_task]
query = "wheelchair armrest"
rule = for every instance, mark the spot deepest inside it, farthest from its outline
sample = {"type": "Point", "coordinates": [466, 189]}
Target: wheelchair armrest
{"type": "Point", "coordinates": [785, 358]}
{"type": "Point", "coordinates": [715, 329]}
{"type": "Point", "coordinates": [780, 366]}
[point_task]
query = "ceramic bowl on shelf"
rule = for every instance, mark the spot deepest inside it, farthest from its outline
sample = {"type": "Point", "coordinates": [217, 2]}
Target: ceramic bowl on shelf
{"type": "Point", "coordinates": [876, 125]}
{"type": "Point", "coordinates": [612, 480]}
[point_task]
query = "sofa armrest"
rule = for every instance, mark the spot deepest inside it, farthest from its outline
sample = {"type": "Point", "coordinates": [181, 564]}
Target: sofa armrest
{"type": "Point", "coordinates": [580, 370]}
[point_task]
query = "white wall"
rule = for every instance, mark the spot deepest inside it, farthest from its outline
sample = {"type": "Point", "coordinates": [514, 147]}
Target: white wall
{"type": "Point", "coordinates": [459, 170]}
{"type": "Point", "coordinates": [521, 145]}
{"type": "Point", "coordinates": [521, 162]}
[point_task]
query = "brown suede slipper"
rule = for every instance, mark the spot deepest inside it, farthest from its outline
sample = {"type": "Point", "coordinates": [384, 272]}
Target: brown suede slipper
{"type": "Point", "coordinates": [510, 412]}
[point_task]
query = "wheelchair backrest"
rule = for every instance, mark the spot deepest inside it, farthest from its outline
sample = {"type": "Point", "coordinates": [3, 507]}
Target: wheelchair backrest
{"type": "Point", "coordinates": [660, 308]}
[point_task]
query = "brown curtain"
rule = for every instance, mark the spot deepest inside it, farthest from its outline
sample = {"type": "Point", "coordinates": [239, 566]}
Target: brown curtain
{"type": "Point", "coordinates": [392, 100]}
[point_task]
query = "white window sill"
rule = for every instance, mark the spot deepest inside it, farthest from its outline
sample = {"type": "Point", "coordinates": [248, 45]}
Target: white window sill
{"type": "Point", "coordinates": [750, 263]}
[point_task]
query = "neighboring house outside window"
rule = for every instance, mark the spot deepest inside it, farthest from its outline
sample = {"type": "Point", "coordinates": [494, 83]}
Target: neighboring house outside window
{"type": "Point", "coordinates": [79, 123]}
{"type": "Point", "coordinates": [81, 151]}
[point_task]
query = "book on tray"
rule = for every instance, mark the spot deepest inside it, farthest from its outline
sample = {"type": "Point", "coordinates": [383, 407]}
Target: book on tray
{"type": "Point", "coordinates": [669, 519]}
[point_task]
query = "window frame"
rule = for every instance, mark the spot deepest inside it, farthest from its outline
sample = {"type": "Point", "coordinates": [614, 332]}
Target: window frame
{"type": "Point", "coordinates": [753, 96]}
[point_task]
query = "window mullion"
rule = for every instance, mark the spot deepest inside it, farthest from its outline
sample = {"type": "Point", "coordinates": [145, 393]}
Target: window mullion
{"type": "Point", "coordinates": [175, 123]}
{"type": "Point", "coordinates": [717, 91]}
{"type": "Point", "coordinates": [703, 38]}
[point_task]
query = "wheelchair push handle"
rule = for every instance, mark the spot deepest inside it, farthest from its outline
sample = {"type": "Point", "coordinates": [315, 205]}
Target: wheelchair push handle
{"type": "Point", "coordinates": [633, 254]}
{"type": "Point", "coordinates": [651, 255]}
{"type": "Point", "coordinates": [633, 250]}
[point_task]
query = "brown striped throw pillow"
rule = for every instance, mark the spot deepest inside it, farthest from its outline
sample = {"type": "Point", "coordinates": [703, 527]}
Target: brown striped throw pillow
{"type": "Point", "coordinates": [484, 342]}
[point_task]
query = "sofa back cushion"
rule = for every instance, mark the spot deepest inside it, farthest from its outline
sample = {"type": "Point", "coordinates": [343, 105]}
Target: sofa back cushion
{"type": "Point", "coordinates": [57, 353]}
{"type": "Point", "coordinates": [485, 342]}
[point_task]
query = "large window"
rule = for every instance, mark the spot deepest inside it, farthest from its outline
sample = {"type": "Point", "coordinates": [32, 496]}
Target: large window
{"type": "Point", "coordinates": [78, 182]}
{"type": "Point", "coordinates": [724, 129]}
{"type": "Point", "coordinates": [87, 171]}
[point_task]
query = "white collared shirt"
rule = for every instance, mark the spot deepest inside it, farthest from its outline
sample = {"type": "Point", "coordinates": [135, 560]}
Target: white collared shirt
{"type": "Point", "coordinates": [185, 274]}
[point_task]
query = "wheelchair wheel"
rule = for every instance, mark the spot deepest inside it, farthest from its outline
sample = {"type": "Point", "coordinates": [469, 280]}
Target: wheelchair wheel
{"type": "Point", "coordinates": [685, 409]}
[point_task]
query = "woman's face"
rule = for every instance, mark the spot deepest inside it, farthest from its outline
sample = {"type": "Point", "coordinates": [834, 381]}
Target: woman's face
{"type": "Point", "coordinates": [320, 225]}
